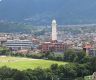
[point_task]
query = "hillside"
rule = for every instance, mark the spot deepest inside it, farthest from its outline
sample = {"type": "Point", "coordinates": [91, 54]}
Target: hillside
{"type": "Point", "coordinates": [41, 12]}
{"type": "Point", "coordinates": [13, 27]}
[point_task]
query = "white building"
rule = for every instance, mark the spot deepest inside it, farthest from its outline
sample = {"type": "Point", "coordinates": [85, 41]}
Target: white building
{"type": "Point", "coordinates": [19, 44]}
{"type": "Point", "coordinates": [54, 30]}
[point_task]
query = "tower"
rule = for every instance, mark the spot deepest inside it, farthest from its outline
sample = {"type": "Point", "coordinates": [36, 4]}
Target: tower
{"type": "Point", "coordinates": [54, 30]}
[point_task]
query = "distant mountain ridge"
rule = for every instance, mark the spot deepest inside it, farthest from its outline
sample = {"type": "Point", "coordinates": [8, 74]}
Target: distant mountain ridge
{"type": "Point", "coordinates": [41, 12]}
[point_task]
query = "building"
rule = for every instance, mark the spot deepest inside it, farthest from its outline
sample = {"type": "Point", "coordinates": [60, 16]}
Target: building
{"type": "Point", "coordinates": [54, 30]}
{"type": "Point", "coordinates": [2, 41]}
{"type": "Point", "coordinates": [17, 44]}
{"type": "Point", "coordinates": [54, 45]}
{"type": "Point", "coordinates": [89, 49]}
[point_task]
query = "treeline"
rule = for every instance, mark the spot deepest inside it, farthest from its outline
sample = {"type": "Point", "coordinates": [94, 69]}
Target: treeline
{"type": "Point", "coordinates": [68, 56]}
{"type": "Point", "coordinates": [55, 72]}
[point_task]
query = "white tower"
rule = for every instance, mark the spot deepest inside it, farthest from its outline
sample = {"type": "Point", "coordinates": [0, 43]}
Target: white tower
{"type": "Point", "coordinates": [54, 31]}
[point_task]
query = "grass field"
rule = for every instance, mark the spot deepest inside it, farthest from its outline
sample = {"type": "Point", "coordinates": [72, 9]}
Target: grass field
{"type": "Point", "coordinates": [26, 63]}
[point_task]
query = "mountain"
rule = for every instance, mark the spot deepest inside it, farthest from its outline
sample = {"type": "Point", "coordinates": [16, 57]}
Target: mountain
{"type": "Point", "coordinates": [41, 12]}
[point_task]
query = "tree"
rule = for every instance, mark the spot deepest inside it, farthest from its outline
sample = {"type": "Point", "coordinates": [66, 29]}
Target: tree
{"type": "Point", "coordinates": [81, 70]}
{"type": "Point", "coordinates": [54, 68]}
{"type": "Point", "coordinates": [6, 72]}
{"type": "Point", "coordinates": [92, 64]}
{"type": "Point", "coordinates": [69, 55]}
{"type": "Point", "coordinates": [80, 56]}
{"type": "Point", "coordinates": [37, 74]}
{"type": "Point", "coordinates": [20, 76]}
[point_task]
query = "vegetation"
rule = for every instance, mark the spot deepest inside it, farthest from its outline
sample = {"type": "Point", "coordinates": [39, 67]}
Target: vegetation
{"type": "Point", "coordinates": [20, 27]}
{"type": "Point", "coordinates": [88, 78]}
{"type": "Point", "coordinates": [79, 65]}
{"type": "Point", "coordinates": [54, 72]}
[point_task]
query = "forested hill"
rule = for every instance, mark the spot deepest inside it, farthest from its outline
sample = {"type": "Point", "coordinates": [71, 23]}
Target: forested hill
{"type": "Point", "coordinates": [43, 11]}
{"type": "Point", "coordinates": [15, 27]}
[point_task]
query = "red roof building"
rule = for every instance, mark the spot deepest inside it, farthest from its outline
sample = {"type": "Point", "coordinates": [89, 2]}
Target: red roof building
{"type": "Point", "coordinates": [53, 47]}
{"type": "Point", "coordinates": [88, 46]}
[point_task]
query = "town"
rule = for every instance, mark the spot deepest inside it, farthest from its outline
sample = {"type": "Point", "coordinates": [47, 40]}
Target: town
{"type": "Point", "coordinates": [58, 40]}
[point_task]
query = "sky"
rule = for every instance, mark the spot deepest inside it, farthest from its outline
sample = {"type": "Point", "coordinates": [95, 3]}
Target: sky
{"type": "Point", "coordinates": [0, 0]}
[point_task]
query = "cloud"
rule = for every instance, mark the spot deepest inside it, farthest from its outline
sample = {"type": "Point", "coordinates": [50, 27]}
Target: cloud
{"type": "Point", "coordinates": [0, 0]}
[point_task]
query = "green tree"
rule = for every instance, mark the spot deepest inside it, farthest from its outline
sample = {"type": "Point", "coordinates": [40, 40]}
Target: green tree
{"type": "Point", "coordinates": [69, 55]}
{"type": "Point", "coordinates": [20, 76]}
{"type": "Point", "coordinates": [80, 56]}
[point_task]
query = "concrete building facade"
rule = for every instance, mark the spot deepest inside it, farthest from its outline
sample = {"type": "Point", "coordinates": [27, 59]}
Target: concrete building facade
{"type": "Point", "coordinates": [19, 44]}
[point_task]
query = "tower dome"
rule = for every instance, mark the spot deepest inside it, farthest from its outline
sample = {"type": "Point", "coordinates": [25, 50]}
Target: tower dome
{"type": "Point", "coordinates": [54, 21]}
